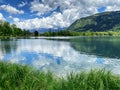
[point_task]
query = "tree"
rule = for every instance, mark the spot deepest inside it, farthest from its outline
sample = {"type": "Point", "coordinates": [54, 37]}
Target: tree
{"type": "Point", "coordinates": [11, 30]}
{"type": "Point", "coordinates": [36, 33]}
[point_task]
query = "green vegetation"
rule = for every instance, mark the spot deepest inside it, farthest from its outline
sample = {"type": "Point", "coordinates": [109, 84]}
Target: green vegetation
{"type": "Point", "coordinates": [7, 30]}
{"type": "Point", "coordinates": [74, 33]}
{"type": "Point", "coordinates": [107, 21]}
{"type": "Point", "coordinates": [17, 77]}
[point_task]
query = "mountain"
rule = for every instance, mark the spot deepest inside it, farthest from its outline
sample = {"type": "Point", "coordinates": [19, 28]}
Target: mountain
{"type": "Point", "coordinates": [99, 22]}
{"type": "Point", "coordinates": [43, 30]}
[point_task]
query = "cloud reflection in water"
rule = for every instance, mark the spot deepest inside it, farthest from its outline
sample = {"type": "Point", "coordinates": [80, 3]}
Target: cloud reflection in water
{"type": "Point", "coordinates": [56, 56]}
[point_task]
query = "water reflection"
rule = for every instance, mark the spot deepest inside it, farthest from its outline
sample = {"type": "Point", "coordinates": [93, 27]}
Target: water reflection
{"type": "Point", "coordinates": [8, 45]}
{"type": "Point", "coordinates": [56, 56]}
{"type": "Point", "coordinates": [99, 46]}
{"type": "Point", "coordinates": [100, 60]}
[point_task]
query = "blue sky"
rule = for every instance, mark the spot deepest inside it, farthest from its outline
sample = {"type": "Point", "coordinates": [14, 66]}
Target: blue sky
{"type": "Point", "coordinates": [36, 14]}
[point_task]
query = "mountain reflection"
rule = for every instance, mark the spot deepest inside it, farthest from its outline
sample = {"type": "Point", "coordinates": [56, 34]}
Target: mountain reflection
{"type": "Point", "coordinates": [100, 46]}
{"type": "Point", "coordinates": [58, 56]}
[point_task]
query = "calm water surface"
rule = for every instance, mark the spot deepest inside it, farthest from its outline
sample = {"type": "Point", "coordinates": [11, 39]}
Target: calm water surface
{"type": "Point", "coordinates": [63, 54]}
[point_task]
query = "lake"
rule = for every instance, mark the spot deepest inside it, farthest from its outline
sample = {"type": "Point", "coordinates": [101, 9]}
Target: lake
{"type": "Point", "coordinates": [62, 55]}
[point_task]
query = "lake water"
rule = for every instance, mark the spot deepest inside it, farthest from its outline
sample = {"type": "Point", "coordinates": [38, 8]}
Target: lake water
{"type": "Point", "coordinates": [62, 55]}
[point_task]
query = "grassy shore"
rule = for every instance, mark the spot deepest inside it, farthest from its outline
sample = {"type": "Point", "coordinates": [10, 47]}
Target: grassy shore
{"type": "Point", "coordinates": [17, 77]}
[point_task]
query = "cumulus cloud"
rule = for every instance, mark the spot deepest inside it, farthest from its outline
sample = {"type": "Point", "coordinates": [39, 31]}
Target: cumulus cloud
{"type": "Point", "coordinates": [84, 7]}
{"type": "Point", "coordinates": [36, 6]}
{"type": "Point", "coordinates": [32, 24]}
{"type": "Point", "coordinates": [70, 10]}
{"type": "Point", "coordinates": [54, 21]}
{"type": "Point", "coordinates": [11, 10]}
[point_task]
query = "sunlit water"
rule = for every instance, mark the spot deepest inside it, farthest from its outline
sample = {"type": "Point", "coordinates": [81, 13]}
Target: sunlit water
{"type": "Point", "coordinates": [63, 55]}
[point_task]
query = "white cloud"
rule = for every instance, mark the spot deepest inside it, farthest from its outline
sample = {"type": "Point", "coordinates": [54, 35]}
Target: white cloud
{"type": "Point", "coordinates": [10, 17]}
{"type": "Point", "coordinates": [16, 19]}
{"type": "Point", "coordinates": [84, 6]}
{"type": "Point", "coordinates": [11, 10]}
{"type": "Point", "coordinates": [112, 8]}
{"type": "Point", "coordinates": [1, 17]}
{"type": "Point", "coordinates": [54, 21]}
{"type": "Point", "coordinates": [71, 10]}
{"type": "Point", "coordinates": [36, 6]}
{"type": "Point", "coordinates": [22, 4]}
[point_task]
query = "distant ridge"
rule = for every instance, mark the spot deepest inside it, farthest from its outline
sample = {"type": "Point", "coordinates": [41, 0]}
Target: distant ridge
{"type": "Point", "coordinates": [43, 30]}
{"type": "Point", "coordinates": [107, 21]}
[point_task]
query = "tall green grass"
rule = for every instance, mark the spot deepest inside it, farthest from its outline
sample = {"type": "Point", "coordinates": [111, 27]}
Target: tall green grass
{"type": "Point", "coordinates": [17, 77]}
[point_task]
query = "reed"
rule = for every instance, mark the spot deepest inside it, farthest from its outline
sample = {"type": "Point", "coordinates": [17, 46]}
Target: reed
{"type": "Point", "coordinates": [17, 77]}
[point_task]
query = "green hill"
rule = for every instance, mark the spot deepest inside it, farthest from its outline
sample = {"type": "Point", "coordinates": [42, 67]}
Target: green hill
{"type": "Point", "coordinates": [107, 21]}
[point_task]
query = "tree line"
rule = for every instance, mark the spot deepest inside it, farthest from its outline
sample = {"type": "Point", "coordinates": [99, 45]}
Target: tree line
{"type": "Point", "coordinates": [6, 29]}
{"type": "Point", "coordinates": [74, 33]}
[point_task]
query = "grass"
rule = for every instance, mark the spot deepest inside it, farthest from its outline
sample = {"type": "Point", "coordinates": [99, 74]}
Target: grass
{"type": "Point", "coordinates": [17, 77]}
